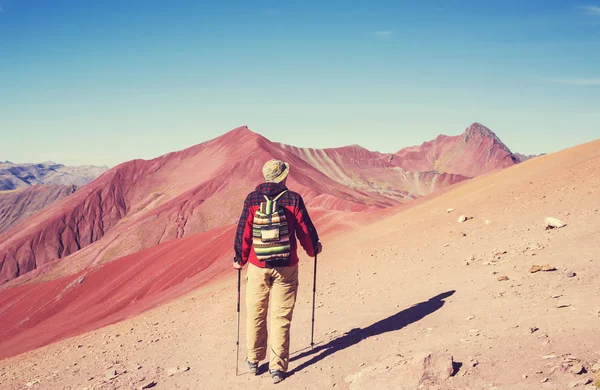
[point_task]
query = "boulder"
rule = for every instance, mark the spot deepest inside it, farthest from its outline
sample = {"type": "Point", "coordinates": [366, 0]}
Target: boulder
{"type": "Point", "coordinates": [426, 370]}
{"type": "Point", "coordinates": [545, 268]}
{"type": "Point", "coordinates": [553, 223]}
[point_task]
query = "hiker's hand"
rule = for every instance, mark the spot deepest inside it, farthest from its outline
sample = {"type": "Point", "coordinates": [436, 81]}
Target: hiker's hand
{"type": "Point", "coordinates": [236, 265]}
{"type": "Point", "coordinates": [318, 249]}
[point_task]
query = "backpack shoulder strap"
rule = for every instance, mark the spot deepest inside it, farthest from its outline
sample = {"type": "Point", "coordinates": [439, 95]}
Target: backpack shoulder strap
{"type": "Point", "coordinates": [270, 205]}
{"type": "Point", "coordinates": [279, 196]}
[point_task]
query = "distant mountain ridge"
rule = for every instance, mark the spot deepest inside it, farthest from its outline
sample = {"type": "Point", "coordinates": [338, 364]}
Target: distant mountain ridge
{"type": "Point", "coordinates": [23, 203]}
{"type": "Point", "coordinates": [525, 157]}
{"type": "Point", "coordinates": [142, 203]}
{"type": "Point", "coordinates": [15, 176]}
{"type": "Point", "coordinates": [477, 151]}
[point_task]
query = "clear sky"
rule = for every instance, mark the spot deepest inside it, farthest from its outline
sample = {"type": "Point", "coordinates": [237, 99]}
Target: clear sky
{"type": "Point", "coordinates": [102, 82]}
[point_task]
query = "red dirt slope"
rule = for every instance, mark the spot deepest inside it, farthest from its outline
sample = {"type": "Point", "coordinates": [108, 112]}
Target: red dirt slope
{"type": "Point", "coordinates": [33, 315]}
{"type": "Point", "coordinates": [21, 204]}
{"type": "Point", "coordinates": [139, 204]}
{"type": "Point", "coordinates": [477, 151]}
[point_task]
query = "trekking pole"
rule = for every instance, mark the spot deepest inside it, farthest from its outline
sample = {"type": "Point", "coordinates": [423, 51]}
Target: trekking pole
{"type": "Point", "coordinates": [237, 342]}
{"type": "Point", "coordinates": [312, 333]}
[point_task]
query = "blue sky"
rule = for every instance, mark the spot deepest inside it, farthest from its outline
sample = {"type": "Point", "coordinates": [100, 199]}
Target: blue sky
{"type": "Point", "coordinates": [90, 82]}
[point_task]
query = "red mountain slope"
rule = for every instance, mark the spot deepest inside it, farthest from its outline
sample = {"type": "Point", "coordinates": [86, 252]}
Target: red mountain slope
{"type": "Point", "coordinates": [139, 204]}
{"type": "Point", "coordinates": [373, 173]}
{"type": "Point", "coordinates": [36, 314]}
{"type": "Point", "coordinates": [477, 151]}
{"type": "Point", "coordinates": [18, 205]}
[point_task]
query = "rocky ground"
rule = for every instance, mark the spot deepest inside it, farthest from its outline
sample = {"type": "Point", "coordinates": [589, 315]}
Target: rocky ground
{"type": "Point", "coordinates": [416, 300]}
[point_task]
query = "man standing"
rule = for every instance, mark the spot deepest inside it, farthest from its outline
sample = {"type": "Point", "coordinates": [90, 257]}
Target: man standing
{"type": "Point", "coordinates": [272, 218]}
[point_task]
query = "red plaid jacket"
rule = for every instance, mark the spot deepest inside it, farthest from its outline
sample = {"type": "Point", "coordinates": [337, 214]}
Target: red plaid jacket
{"type": "Point", "coordinates": [299, 225]}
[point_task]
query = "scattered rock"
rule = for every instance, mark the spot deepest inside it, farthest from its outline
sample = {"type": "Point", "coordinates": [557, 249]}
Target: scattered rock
{"type": "Point", "coordinates": [463, 218]}
{"type": "Point", "coordinates": [112, 374]}
{"type": "Point", "coordinates": [427, 370]}
{"type": "Point", "coordinates": [149, 385]}
{"type": "Point", "coordinates": [469, 318]}
{"type": "Point", "coordinates": [502, 278]}
{"type": "Point", "coordinates": [450, 210]}
{"type": "Point", "coordinates": [437, 367]}
{"type": "Point", "coordinates": [553, 223]}
{"type": "Point", "coordinates": [571, 274]}
{"type": "Point", "coordinates": [472, 361]}
{"type": "Point", "coordinates": [562, 305]}
{"type": "Point", "coordinates": [545, 380]}
{"type": "Point", "coordinates": [583, 382]}
{"type": "Point", "coordinates": [549, 357]}
{"type": "Point", "coordinates": [533, 329]}
{"type": "Point", "coordinates": [577, 369]}
{"type": "Point", "coordinates": [562, 369]}
{"type": "Point", "coordinates": [525, 376]}
{"type": "Point", "coordinates": [177, 370]}
{"type": "Point", "coordinates": [545, 268]}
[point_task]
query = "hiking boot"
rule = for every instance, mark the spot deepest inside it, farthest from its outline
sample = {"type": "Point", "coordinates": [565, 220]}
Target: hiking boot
{"type": "Point", "coordinates": [253, 367]}
{"type": "Point", "coordinates": [277, 376]}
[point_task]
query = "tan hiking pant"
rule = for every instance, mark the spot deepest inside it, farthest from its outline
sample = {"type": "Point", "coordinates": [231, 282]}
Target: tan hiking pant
{"type": "Point", "coordinates": [281, 284]}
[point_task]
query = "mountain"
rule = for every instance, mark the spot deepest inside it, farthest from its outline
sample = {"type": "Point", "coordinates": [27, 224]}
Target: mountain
{"type": "Point", "coordinates": [477, 151]}
{"type": "Point", "coordinates": [524, 157]}
{"type": "Point", "coordinates": [373, 173]}
{"type": "Point", "coordinates": [25, 189]}
{"type": "Point", "coordinates": [142, 203]}
{"type": "Point", "coordinates": [18, 205]}
{"type": "Point", "coordinates": [413, 279]}
{"type": "Point", "coordinates": [15, 176]}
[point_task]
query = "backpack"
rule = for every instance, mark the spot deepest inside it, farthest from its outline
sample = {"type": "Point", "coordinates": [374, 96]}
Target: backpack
{"type": "Point", "coordinates": [270, 234]}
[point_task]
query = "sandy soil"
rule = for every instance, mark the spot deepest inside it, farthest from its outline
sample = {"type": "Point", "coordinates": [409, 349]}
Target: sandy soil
{"type": "Point", "coordinates": [415, 282]}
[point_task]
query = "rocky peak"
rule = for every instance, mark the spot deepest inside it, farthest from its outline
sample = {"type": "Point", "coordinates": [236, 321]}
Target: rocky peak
{"type": "Point", "coordinates": [477, 131]}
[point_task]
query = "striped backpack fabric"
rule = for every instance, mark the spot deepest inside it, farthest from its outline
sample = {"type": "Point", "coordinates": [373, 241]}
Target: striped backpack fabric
{"type": "Point", "coordinates": [270, 235]}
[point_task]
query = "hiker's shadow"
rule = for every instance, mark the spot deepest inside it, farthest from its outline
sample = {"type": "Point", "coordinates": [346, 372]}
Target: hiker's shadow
{"type": "Point", "coordinates": [356, 335]}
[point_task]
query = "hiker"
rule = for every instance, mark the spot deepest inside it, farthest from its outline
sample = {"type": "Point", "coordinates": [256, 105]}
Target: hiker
{"type": "Point", "coordinates": [272, 218]}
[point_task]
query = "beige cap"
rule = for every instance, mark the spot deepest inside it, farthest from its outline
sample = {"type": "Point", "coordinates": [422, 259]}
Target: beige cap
{"type": "Point", "coordinates": [275, 170]}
